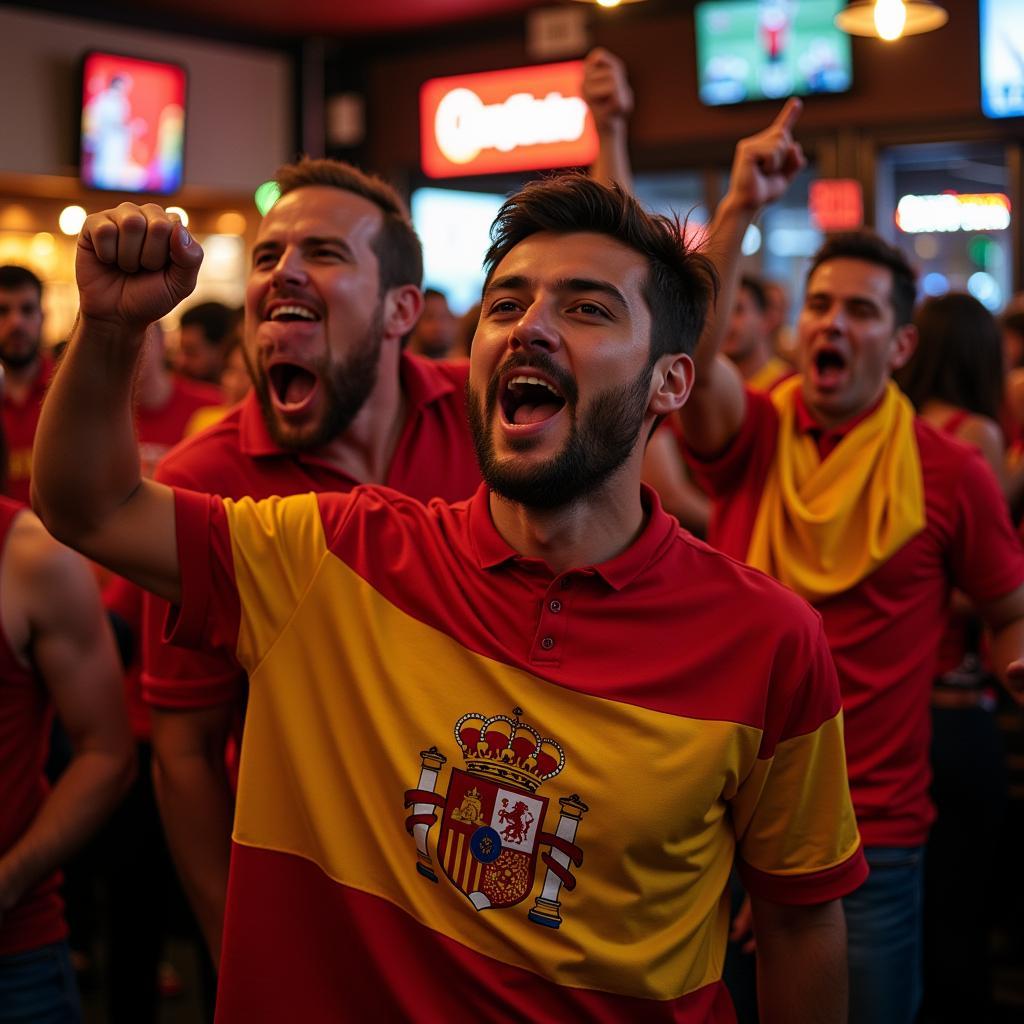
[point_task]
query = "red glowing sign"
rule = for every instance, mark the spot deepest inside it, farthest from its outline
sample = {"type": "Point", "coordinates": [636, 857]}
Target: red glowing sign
{"type": "Point", "coordinates": [836, 204]}
{"type": "Point", "coordinates": [523, 119]}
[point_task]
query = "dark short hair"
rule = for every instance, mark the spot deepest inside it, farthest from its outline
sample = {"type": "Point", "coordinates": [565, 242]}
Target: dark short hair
{"type": "Point", "coordinates": [434, 293]}
{"type": "Point", "coordinates": [755, 286]}
{"type": "Point", "coordinates": [871, 248]}
{"type": "Point", "coordinates": [681, 283]}
{"type": "Point", "coordinates": [214, 319]}
{"type": "Point", "coordinates": [13, 277]}
{"type": "Point", "coordinates": [397, 245]}
{"type": "Point", "coordinates": [959, 356]}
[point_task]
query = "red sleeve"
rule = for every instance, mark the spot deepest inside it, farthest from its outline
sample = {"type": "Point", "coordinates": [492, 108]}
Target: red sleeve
{"type": "Point", "coordinates": [754, 446]}
{"type": "Point", "coordinates": [176, 678]}
{"type": "Point", "coordinates": [209, 614]}
{"type": "Point", "coordinates": [986, 559]}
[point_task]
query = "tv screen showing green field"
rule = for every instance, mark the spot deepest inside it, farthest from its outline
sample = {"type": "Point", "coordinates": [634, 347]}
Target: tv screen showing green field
{"type": "Point", "coordinates": [768, 49]}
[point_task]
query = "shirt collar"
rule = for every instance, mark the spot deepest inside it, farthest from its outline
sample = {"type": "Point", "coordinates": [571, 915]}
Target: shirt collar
{"type": "Point", "coordinates": [422, 384]}
{"type": "Point", "coordinates": [807, 424]}
{"type": "Point", "coordinates": [493, 551]}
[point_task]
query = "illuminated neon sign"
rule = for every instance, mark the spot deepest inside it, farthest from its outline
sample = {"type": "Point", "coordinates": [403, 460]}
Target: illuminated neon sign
{"type": "Point", "coordinates": [953, 211]}
{"type": "Point", "coordinates": [500, 121]}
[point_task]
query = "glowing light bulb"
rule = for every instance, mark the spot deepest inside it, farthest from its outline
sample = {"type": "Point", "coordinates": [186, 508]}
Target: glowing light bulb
{"type": "Point", "coordinates": [608, 3]}
{"type": "Point", "coordinates": [71, 219]}
{"type": "Point", "coordinates": [890, 17]}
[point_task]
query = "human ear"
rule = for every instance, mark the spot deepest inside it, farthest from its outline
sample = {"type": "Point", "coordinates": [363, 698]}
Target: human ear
{"type": "Point", "coordinates": [671, 383]}
{"type": "Point", "coordinates": [402, 307]}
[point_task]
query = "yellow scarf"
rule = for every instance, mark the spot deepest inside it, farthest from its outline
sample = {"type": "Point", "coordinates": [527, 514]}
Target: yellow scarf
{"type": "Point", "coordinates": [822, 527]}
{"type": "Point", "coordinates": [769, 375]}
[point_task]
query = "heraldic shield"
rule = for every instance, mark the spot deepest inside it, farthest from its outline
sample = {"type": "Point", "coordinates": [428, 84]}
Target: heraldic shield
{"type": "Point", "coordinates": [489, 840]}
{"type": "Point", "coordinates": [492, 822]}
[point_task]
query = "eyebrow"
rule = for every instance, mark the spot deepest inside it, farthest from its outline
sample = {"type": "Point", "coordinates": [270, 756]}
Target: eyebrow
{"type": "Point", "coordinates": [310, 241]}
{"type": "Point", "coordinates": [518, 282]}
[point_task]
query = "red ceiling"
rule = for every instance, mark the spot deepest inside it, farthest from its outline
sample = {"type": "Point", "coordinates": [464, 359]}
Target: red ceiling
{"type": "Point", "coordinates": [329, 17]}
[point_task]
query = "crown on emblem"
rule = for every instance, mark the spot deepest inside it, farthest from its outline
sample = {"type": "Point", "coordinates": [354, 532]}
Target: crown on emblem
{"type": "Point", "coordinates": [507, 750]}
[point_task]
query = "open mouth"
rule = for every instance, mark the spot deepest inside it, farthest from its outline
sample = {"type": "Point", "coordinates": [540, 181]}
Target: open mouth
{"type": "Point", "coordinates": [527, 399]}
{"type": "Point", "coordinates": [829, 365]}
{"type": "Point", "coordinates": [291, 384]}
{"type": "Point", "coordinates": [291, 313]}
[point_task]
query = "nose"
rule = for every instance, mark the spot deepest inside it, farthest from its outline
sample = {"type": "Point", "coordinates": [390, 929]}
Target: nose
{"type": "Point", "coordinates": [536, 328]}
{"type": "Point", "coordinates": [290, 268]}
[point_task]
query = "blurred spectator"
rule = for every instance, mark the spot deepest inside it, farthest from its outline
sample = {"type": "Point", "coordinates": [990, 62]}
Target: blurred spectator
{"type": "Point", "coordinates": [207, 333]}
{"type": "Point", "coordinates": [748, 339]}
{"type": "Point", "coordinates": [955, 380]}
{"type": "Point", "coordinates": [56, 654]}
{"type": "Point", "coordinates": [27, 371]}
{"type": "Point", "coordinates": [437, 328]}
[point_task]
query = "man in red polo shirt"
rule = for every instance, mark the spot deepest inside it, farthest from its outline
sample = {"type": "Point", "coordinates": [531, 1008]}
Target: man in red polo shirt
{"type": "Point", "coordinates": [56, 654]}
{"type": "Point", "coordinates": [27, 371]}
{"type": "Point", "coordinates": [833, 486]}
{"type": "Point", "coordinates": [624, 730]}
{"type": "Point", "coordinates": [333, 290]}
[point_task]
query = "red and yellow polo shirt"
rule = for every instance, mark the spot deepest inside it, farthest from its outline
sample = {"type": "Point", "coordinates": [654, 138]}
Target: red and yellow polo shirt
{"type": "Point", "coordinates": [237, 458]}
{"type": "Point", "coordinates": [884, 633]}
{"type": "Point", "coordinates": [474, 788]}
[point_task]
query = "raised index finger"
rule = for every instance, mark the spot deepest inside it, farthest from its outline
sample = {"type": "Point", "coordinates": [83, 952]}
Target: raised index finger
{"type": "Point", "coordinates": [789, 115]}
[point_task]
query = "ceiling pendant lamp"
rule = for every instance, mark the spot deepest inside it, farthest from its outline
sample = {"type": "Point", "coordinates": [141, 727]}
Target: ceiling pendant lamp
{"type": "Point", "coordinates": [891, 19]}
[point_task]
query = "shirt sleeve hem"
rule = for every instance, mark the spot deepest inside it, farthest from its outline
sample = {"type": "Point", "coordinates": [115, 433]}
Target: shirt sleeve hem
{"type": "Point", "coordinates": [811, 888]}
{"type": "Point", "coordinates": [191, 694]}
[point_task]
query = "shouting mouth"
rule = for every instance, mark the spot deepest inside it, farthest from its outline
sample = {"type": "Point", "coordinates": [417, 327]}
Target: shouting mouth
{"type": "Point", "coordinates": [527, 399]}
{"type": "Point", "coordinates": [829, 367]}
{"type": "Point", "coordinates": [292, 386]}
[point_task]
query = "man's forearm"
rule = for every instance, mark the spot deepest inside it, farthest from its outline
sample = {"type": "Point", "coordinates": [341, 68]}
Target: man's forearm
{"type": "Point", "coordinates": [801, 964]}
{"type": "Point", "coordinates": [81, 800]}
{"type": "Point", "coordinates": [612, 166]}
{"type": "Point", "coordinates": [197, 809]}
{"type": "Point", "coordinates": [86, 459]}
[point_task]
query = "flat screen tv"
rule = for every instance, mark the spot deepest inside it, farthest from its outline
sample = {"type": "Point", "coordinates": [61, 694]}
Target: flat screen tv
{"type": "Point", "coordinates": [768, 49]}
{"type": "Point", "coordinates": [1002, 58]}
{"type": "Point", "coordinates": [133, 124]}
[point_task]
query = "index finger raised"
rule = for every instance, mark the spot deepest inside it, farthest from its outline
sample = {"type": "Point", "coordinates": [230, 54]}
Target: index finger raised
{"type": "Point", "coordinates": [789, 114]}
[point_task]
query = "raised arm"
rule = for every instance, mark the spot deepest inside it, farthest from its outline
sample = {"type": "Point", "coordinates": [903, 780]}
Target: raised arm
{"type": "Point", "coordinates": [133, 265]}
{"type": "Point", "coordinates": [762, 169]}
{"type": "Point", "coordinates": [610, 99]}
{"type": "Point", "coordinates": [62, 630]}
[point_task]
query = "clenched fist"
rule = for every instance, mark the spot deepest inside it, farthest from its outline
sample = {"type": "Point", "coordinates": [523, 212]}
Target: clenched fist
{"type": "Point", "coordinates": [134, 264]}
{"type": "Point", "coordinates": [606, 89]}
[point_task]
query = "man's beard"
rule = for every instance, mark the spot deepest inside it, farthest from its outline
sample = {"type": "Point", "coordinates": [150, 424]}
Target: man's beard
{"type": "Point", "coordinates": [598, 443]}
{"type": "Point", "coordinates": [18, 359]}
{"type": "Point", "coordinates": [346, 386]}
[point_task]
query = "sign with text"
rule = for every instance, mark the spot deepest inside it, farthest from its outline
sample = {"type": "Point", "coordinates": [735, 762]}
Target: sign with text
{"type": "Point", "coordinates": [523, 119]}
{"type": "Point", "coordinates": [836, 204]}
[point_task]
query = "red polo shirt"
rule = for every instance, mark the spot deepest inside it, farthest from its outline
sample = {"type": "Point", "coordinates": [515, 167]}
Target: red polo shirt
{"type": "Point", "coordinates": [160, 429]}
{"type": "Point", "coordinates": [884, 633]}
{"type": "Point", "coordinates": [237, 458]}
{"type": "Point", "coordinates": [26, 712]}
{"type": "Point", "coordinates": [522, 790]}
{"type": "Point", "coordinates": [20, 421]}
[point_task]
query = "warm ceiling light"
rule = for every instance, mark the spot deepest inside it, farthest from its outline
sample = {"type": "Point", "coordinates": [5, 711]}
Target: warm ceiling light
{"type": "Point", "coordinates": [71, 219]}
{"type": "Point", "coordinates": [610, 3]}
{"type": "Point", "coordinates": [890, 19]}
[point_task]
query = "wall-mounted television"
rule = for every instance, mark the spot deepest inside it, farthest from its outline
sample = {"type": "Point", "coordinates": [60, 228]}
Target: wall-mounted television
{"type": "Point", "coordinates": [133, 124]}
{"type": "Point", "coordinates": [768, 49]}
{"type": "Point", "coordinates": [1002, 58]}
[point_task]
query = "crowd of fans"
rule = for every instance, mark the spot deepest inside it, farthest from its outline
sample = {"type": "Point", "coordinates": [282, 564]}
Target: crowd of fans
{"type": "Point", "coordinates": [835, 780]}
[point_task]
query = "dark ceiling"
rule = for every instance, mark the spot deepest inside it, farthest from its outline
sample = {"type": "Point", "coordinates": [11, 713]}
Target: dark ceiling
{"type": "Point", "coordinates": [292, 19]}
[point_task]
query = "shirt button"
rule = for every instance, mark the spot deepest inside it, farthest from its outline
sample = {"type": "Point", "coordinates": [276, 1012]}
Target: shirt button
{"type": "Point", "coordinates": [555, 606]}
{"type": "Point", "coordinates": [547, 643]}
